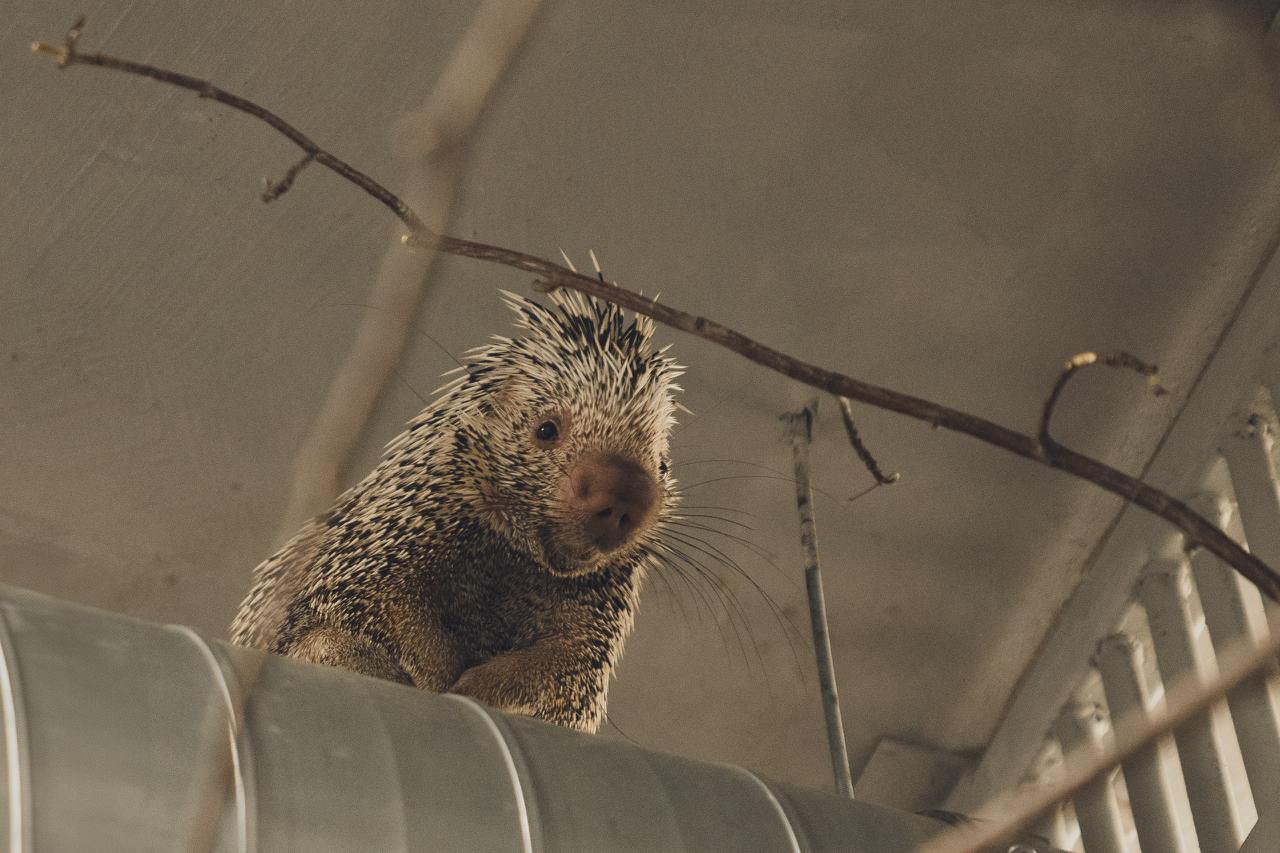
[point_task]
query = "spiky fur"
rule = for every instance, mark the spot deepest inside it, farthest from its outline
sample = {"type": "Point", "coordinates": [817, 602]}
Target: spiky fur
{"type": "Point", "coordinates": [445, 567]}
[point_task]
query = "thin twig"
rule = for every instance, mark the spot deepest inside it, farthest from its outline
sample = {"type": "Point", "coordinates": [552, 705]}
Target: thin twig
{"type": "Point", "coordinates": [846, 414]}
{"type": "Point", "coordinates": [1197, 531]}
{"type": "Point", "coordinates": [1082, 360]}
{"type": "Point", "coordinates": [800, 432]}
{"type": "Point", "coordinates": [868, 490]}
{"type": "Point", "coordinates": [272, 190]}
{"type": "Point", "coordinates": [1186, 700]}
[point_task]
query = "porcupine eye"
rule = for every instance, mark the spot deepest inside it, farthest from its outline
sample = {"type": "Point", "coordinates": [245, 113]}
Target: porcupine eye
{"type": "Point", "coordinates": [547, 434]}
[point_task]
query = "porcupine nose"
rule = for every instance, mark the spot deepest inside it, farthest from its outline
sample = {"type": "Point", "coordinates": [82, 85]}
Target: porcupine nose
{"type": "Point", "coordinates": [613, 496]}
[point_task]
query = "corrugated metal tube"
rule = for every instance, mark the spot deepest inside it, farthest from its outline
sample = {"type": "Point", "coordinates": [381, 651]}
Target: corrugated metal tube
{"type": "Point", "coordinates": [124, 736]}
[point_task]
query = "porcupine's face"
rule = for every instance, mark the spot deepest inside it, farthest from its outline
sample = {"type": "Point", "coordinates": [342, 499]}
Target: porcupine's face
{"type": "Point", "coordinates": [569, 436]}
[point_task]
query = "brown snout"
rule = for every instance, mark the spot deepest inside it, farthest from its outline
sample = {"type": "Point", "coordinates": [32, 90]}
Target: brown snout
{"type": "Point", "coordinates": [612, 497]}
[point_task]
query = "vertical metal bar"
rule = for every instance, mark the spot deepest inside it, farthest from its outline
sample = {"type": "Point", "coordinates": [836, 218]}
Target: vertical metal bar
{"type": "Point", "coordinates": [1265, 835]}
{"type": "Point", "coordinates": [1183, 651]}
{"type": "Point", "coordinates": [1157, 793]}
{"type": "Point", "coordinates": [1052, 826]}
{"type": "Point", "coordinates": [800, 431]}
{"type": "Point", "coordinates": [1249, 460]}
{"type": "Point", "coordinates": [1234, 612]}
{"type": "Point", "coordinates": [1080, 727]}
{"type": "Point", "coordinates": [1270, 372]}
{"type": "Point", "coordinates": [19, 830]}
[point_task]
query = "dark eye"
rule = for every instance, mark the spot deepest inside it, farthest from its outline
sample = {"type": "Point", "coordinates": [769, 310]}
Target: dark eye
{"type": "Point", "coordinates": [547, 433]}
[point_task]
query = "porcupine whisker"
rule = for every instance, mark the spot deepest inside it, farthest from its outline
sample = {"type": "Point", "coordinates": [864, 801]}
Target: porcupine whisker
{"type": "Point", "coordinates": [685, 463]}
{"type": "Point", "coordinates": [663, 557]}
{"type": "Point", "coordinates": [652, 560]}
{"type": "Point", "coordinates": [735, 615]}
{"type": "Point", "coordinates": [702, 608]}
{"type": "Point", "coordinates": [405, 382]}
{"type": "Point", "coordinates": [789, 629]}
{"type": "Point", "coordinates": [757, 550]}
{"type": "Point", "coordinates": [687, 529]}
{"type": "Point", "coordinates": [702, 591]}
{"type": "Point", "coordinates": [662, 564]}
{"type": "Point", "coordinates": [712, 552]}
{"type": "Point", "coordinates": [608, 718]}
{"type": "Point", "coordinates": [791, 635]}
{"type": "Point", "coordinates": [694, 531]}
{"type": "Point", "coordinates": [729, 477]}
{"type": "Point", "coordinates": [739, 524]}
{"type": "Point", "coordinates": [727, 461]}
{"type": "Point", "coordinates": [750, 515]}
{"type": "Point", "coordinates": [702, 603]}
{"type": "Point", "coordinates": [695, 528]}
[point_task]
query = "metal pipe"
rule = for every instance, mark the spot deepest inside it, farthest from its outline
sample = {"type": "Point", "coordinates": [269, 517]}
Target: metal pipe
{"type": "Point", "coordinates": [103, 718]}
{"type": "Point", "coordinates": [800, 432]}
{"type": "Point", "coordinates": [1153, 777]}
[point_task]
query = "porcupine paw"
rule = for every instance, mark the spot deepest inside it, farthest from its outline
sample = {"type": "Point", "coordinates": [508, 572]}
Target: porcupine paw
{"type": "Point", "coordinates": [493, 687]}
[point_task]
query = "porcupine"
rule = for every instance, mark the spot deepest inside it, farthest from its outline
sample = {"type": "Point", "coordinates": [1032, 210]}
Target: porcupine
{"type": "Point", "coordinates": [498, 548]}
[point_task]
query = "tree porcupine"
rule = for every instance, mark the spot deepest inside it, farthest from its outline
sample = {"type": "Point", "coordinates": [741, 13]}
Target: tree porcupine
{"type": "Point", "coordinates": [498, 548]}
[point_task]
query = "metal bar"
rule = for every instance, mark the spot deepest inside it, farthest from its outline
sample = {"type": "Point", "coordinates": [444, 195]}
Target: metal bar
{"type": "Point", "coordinates": [1052, 826]}
{"type": "Point", "coordinates": [1157, 793]}
{"type": "Point", "coordinates": [1081, 727]}
{"type": "Point", "coordinates": [800, 431]}
{"type": "Point", "coordinates": [1183, 650]}
{"type": "Point", "coordinates": [1234, 613]}
{"type": "Point", "coordinates": [1265, 835]}
{"type": "Point", "coordinates": [15, 813]}
{"type": "Point", "coordinates": [1248, 458]}
{"type": "Point", "coordinates": [1270, 372]}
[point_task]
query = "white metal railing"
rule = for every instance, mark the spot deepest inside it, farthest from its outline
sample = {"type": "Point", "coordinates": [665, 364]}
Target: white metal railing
{"type": "Point", "coordinates": [1148, 615]}
{"type": "Point", "coordinates": [1206, 787]}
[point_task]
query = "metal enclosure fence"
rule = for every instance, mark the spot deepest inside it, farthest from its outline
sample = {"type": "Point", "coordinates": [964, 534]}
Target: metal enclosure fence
{"type": "Point", "coordinates": [1151, 615]}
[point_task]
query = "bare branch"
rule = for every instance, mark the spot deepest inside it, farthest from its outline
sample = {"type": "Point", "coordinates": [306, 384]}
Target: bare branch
{"type": "Point", "coordinates": [846, 414]}
{"type": "Point", "coordinates": [1080, 361]}
{"type": "Point", "coordinates": [67, 55]}
{"type": "Point", "coordinates": [1197, 531]}
{"type": "Point", "coordinates": [1185, 701]}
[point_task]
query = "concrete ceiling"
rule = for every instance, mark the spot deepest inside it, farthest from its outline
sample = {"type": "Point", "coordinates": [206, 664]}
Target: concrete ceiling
{"type": "Point", "coordinates": [943, 198]}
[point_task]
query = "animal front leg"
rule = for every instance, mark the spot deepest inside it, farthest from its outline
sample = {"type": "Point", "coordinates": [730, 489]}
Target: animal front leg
{"type": "Point", "coordinates": [336, 647]}
{"type": "Point", "coordinates": [553, 681]}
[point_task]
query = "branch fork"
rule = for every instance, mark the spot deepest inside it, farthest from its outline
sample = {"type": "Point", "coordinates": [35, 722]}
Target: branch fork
{"type": "Point", "coordinates": [1078, 362]}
